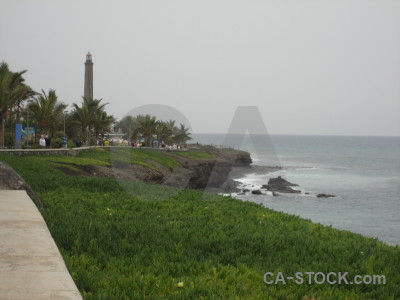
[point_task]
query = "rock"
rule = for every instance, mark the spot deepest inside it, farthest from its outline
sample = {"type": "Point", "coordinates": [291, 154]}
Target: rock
{"type": "Point", "coordinates": [280, 185]}
{"type": "Point", "coordinates": [246, 191]}
{"type": "Point", "coordinates": [230, 186]}
{"type": "Point", "coordinates": [275, 194]}
{"type": "Point", "coordinates": [11, 180]}
{"type": "Point", "coordinates": [325, 196]}
{"type": "Point", "coordinates": [256, 192]}
{"type": "Point", "coordinates": [280, 181]}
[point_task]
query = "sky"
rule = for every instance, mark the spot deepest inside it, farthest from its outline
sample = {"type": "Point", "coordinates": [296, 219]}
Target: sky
{"type": "Point", "coordinates": [311, 67]}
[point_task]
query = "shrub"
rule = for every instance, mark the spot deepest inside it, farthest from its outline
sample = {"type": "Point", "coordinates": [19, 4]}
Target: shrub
{"type": "Point", "coordinates": [56, 143]}
{"type": "Point", "coordinates": [9, 139]}
{"type": "Point", "coordinates": [71, 144]}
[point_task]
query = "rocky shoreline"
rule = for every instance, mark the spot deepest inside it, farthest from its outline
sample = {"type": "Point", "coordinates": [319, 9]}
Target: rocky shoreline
{"type": "Point", "coordinates": [277, 186]}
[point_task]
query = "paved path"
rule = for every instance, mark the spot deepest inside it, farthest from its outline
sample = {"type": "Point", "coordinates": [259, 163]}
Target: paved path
{"type": "Point", "coordinates": [75, 151]}
{"type": "Point", "coordinates": [31, 267]}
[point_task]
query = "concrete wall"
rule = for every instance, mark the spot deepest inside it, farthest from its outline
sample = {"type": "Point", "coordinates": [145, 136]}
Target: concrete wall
{"type": "Point", "coordinates": [73, 151]}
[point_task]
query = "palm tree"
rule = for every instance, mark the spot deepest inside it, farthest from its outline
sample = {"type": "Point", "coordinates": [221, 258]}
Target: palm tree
{"type": "Point", "coordinates": [173, 129]}
{"type": "Point", "coordinates": [95, 106]}
{"type": "Point", "coordinates": [72, 128]}
{"type": "Point", "coordinates": [163, 131]}
{"type": "Point", "coordinates": [91, 117]}
{"type": "Point", "coordinates": [47, 111]}
{"type": "Point", "coordinates": [23, 92]}
{"type": "Point", "coordinates": [102, 123]}
{"type": "Point", "coordinates": [147, 126]}
{"type": "Point", "coordinates": [13, 91]}
{"type": "Point", "coordinates": [183, 135]}
{"type": "Point", "coordinates": [82, 117]}
{"type": "Point", "coordinates": [129, 126]}
{"type": "Point", "coordinates": [171, 125]}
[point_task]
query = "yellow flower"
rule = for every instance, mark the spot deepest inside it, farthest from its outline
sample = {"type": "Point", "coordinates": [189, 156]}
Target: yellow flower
{"type": "Point", "coordinates": [180, 284]}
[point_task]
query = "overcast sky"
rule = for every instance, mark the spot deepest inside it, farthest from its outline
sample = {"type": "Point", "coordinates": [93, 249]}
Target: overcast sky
{"type": "Point", "coordinates": [312, 67]}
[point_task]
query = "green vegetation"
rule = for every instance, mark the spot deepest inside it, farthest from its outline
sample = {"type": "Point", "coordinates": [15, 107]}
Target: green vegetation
{"type": "Point", "coordinates": [120, 245]}
{"type": "Point", "coordinates": [148, 127]}
{"type": "Point", "coordinates": [195, 154]}
{"type": "Point", "coordinates": [82, 160]}
{"type": "Point", "coordinates": [102, 157]}
{"type": "Point", "coordinates": [89, 120]}
{"type": "Point", "coordinates": [46, 112]}
{"type": "Point", "coordinates": [86, 123]}
{"type": "Point", "coordinates": [144, 155]}
{"type": "Point", "coordinates": [13, 92]}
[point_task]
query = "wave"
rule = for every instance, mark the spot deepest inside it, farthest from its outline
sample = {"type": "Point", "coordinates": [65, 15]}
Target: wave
{"type": "Point", "coordinates": [307, 168]}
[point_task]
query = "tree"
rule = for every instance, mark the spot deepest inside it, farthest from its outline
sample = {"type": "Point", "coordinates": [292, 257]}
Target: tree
{"type": "Point", "coordinates": [182, 135]}
{"type": "Point", "coordinates": [82, 117]}
{"type": "Point", "coordinates": [163, 132]}
{"type": "Point", "coordinates": [171, 125]}
{"type": "Point", "coordinates": [129, 126]}
{"type": "Point", "coordinates": [47, 112]}
{"type": "Point", "coordinates": [95, 107]}
{"type": "Point", "coordinates": [91, 118]}
{"type": "Point", "coordinates": [102, 123]}
{"type": "Point", "coordinates": [173, 129]}
{"type": "Point", "coordinates": [72, 128]}
{"type": "Point", "coordinates": [147, 126]}
{"type": "Point", "coordinates": [13, 91]}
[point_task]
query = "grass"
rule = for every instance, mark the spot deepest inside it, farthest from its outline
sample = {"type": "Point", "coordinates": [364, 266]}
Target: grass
{"type": "Point", "coordinates": [149, 156]}
{"type": "Point", "coordinates": [122, 245]}
{"type": "Point", "coordinates": [104, 157]}
{"type": "Point", "coordinates": [195, 154]}
{"type": "Point", "coordinates": [144, 157]}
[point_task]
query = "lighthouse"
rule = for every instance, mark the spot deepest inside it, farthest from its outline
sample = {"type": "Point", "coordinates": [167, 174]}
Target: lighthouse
{"type": "Point", "coordinates": [88, 92]}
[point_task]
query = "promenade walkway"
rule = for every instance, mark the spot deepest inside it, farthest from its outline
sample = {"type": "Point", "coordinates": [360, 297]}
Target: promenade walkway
{"type": "Point", "coordinates": [75, 151]}
{"type": "Point", "coordinates": [31, 267]}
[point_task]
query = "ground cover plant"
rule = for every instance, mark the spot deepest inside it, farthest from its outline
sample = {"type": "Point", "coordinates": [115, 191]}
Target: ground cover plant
{"type": "Point", "coordinates": [195, 154]}
{"type": "Point", "coordinates": [118, 245]}
{"type": "Point", "coordinates": [104, 157]}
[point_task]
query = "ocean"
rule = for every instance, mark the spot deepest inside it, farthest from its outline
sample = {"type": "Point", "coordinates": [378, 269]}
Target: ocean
{"type": "Point", "coordinates": [362, 172]}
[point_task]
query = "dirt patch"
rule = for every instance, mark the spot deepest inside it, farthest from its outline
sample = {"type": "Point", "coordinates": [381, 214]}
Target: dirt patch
{"type": "Point", "coordinates": [68, 171]}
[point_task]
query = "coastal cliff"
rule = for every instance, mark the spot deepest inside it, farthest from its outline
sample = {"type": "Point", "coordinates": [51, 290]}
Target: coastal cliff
{"type": "Point", "coordinates": [198, 172]}
{"type": "Point", "coordinates": [210, 172]}
{"type": "Point", "coordinates": [199, 167]}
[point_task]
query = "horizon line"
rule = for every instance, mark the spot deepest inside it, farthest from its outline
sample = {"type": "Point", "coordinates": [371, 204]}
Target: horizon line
{"type": "Point", "coordinates": [305, 134]}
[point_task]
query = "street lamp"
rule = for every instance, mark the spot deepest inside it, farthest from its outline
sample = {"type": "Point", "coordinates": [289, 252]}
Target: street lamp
{"type": "Point", "coordinates": [27, 120]}
{"type": "Point", "coordinates": [65, 138]}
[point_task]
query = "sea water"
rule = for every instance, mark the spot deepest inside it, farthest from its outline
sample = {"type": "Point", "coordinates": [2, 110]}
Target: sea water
{"type": "Point", "coordinates": [362, 172]}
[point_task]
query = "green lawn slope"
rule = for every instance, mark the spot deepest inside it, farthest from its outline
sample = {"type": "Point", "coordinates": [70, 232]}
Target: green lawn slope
{"type": "Point", "coordinates": [146, 245]}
